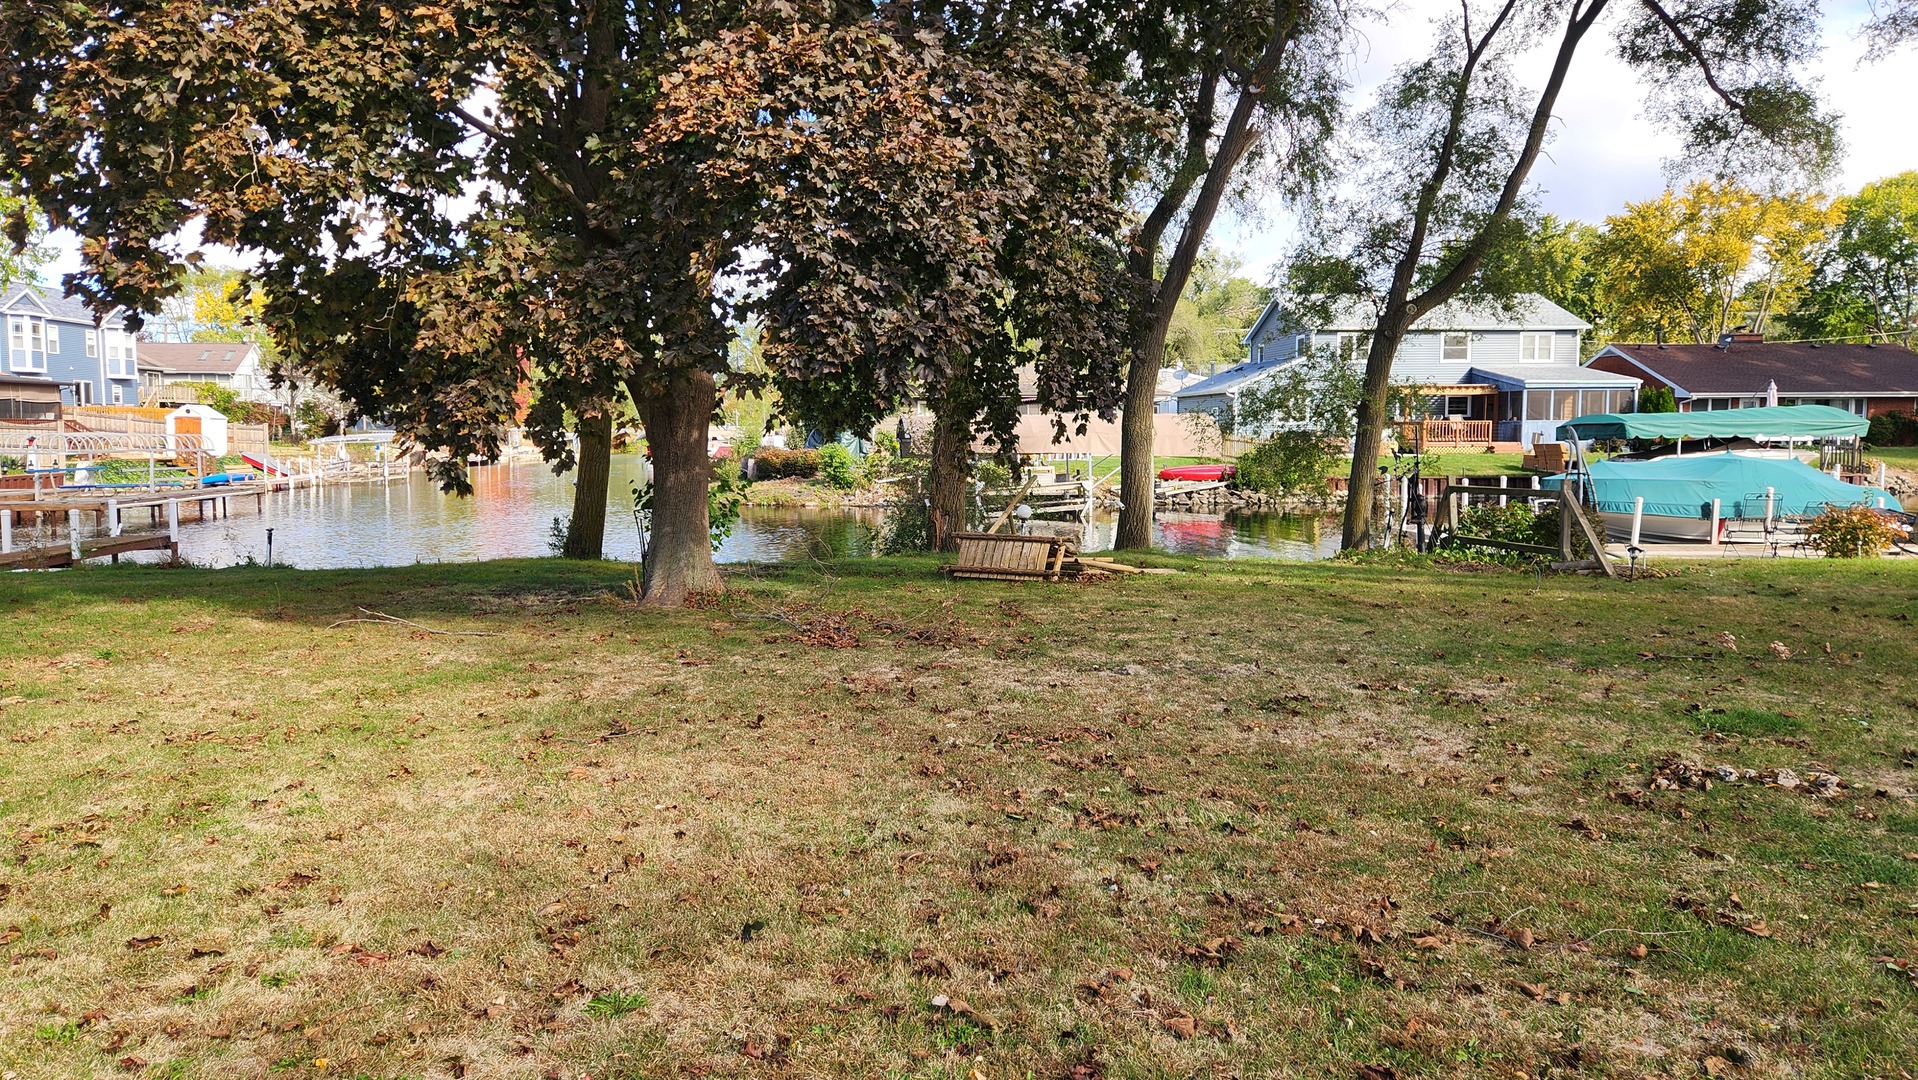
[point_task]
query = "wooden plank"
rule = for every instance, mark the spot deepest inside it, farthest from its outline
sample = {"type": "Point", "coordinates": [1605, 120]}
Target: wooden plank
{"type": "Point", "coordinates": [1591, 537]}
{"type": "Point", "coordinates": [1031, 479]}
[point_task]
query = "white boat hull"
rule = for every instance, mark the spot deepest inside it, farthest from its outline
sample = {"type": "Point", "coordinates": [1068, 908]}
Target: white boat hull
{"type": "Point", "coordinates": [1685, 530]}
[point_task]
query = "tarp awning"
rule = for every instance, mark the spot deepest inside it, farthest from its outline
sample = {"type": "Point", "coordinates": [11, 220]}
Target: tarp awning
{"type": "Point", "coordinates": [1773, 422]}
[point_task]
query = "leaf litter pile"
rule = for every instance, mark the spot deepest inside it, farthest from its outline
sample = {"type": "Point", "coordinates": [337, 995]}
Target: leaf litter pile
{"type": "Point", "coordinates": [1254, 821]}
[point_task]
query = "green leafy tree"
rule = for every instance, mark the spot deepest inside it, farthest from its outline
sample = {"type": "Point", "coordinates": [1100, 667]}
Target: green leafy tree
{"type": "Point", "coordinates": [25, 250]}
{"type": "Point", "coordinates": [1657, 399]}
{"type": "Point", "coordinates": [450, 202]}
{"type": "Point", "coordinates": [1250, 89]}
{"type": "Point", "coordinates": [1866, 285]}
{"type": "Point", "coordinates": [1442, 158]}
{"type": "Point", "coordinates": [1212, 316]}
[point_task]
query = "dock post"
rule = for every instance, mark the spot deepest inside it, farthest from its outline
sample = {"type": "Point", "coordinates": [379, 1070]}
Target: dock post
{"type": "Point", "coordinates": [113, 517]}
{"type": "Point", "coordinates": [6, 530]}
{"type": "Point", "coordinates": [1638, 517]}
{"type": "Point", "coordinates": [173, 521]}
{"type": "Point", "coordinates": [1771, 499]}
{"type": "Point", "coordinates": [73, 534]}
{"type": "Point", "coordinates": [1881, 472]}
{"type": "Point", "coordinates": [1501, 499]}
{"type": "Point", "coordinates": [1713, 538]}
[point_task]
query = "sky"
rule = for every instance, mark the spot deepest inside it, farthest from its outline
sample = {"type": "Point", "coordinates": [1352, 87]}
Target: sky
{"type": "Point", "coordinates": [1603, 154]}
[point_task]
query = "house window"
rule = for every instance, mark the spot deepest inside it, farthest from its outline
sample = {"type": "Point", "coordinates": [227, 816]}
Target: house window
{"type": "Point", "coordinates": [119, 396]}
{"type": "Point", "coordinates": [1535, 347]}
{"type": "Point", "coordinates": [26, 343]}
{"type": "Point", "coordinates": [1351, 347]}
{"type": "Point", "coordinates": [1455, 347]}
{"type": "Point", "coordinates": [93, 343]}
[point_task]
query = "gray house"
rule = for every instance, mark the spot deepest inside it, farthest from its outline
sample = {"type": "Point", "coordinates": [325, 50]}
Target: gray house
{"type": "Point", "coordinates": [52, 337]}
{"type": "Point", "coordinates": [1490, 373]}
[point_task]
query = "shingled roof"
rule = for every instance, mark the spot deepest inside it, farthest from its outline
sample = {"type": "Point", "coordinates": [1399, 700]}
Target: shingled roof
{"type": "Point", "coordinates": [193, 357]}
{"type": "Point", "coordinates": [1746, 367]}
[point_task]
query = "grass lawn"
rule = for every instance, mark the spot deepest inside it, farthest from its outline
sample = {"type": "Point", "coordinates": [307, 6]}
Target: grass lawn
{"type": "Point", "coordinates": [1898, 457]}
{"type": "Point", "coordinates": [1464, 464]}
{"type": "Point", "coordinates": [1250, 820]}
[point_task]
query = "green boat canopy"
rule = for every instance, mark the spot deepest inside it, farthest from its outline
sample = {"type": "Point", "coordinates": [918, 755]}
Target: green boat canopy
{"type": "Point", "coordinates": [1684, 486]}
{"type": "Point", "coordinates": [1771, 422]}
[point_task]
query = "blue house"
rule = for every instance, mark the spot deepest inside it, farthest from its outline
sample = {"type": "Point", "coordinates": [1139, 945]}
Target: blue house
{"type": "Point", "coordinates": [1487, 372]}
{"type": "Point", "coordinates": [53, 337]}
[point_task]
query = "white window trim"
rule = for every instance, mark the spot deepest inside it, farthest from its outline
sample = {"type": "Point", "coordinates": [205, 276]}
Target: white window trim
{"type": "Point", "coordinates": [21, 355]}
{"type": "Point", "coordinates": [93, 344]}
{"type": "Point", "coordinates": [1530, 340]}
{"type": "Point", "coordinates": [119, 395]}
{"type": "Point", "coordinates": [1444, 345]}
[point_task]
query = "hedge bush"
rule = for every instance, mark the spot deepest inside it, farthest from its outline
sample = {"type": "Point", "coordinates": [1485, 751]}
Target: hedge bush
{"type": "Point", "coordinates": [1851, 532]}
{"type": "Point", "coordinates": [1893, 429]}
{"type": "Point", "coordinates": [782, 464]}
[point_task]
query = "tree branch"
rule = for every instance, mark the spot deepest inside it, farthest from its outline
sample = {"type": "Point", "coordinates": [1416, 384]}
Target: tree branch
{"type": "Point", "coordinates": [1697, 54]}
{"type": "Point", "coordinates": [537, 163]}
{"type": "Point", "coordinates": [1474, 251]}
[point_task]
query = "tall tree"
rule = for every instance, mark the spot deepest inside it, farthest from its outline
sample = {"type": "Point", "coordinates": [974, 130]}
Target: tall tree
{"type": "Point", "coordinates": [1866, 284]}
{"type": "Point", "coordinates": [1698, 264]}
{"type": "Point", "coordinates": [1445, 153]}
{"type": "Point", "coordinates": [1250, 87]}
{"type": "Point", "coordinates": [933, 213]}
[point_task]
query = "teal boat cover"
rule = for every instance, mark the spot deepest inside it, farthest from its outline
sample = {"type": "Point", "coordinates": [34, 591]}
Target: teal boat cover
{"type": "Point", "coordinates": [1771, 422]}
{"type": "Point", "coordinates": [1684, 486]}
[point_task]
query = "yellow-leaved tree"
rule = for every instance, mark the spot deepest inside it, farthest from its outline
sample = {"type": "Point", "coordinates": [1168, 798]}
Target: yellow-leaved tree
{"type": "Point", "coordinates": [1717, 257]}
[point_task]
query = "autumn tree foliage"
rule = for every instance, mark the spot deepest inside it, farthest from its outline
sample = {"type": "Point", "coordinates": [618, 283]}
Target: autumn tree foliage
{"type": "Point", "coordinates": [450, 201]}
{"type": "Point", "coordinates": [928, 215]}
{"type": "Point", "coordinates": [1718, 256]}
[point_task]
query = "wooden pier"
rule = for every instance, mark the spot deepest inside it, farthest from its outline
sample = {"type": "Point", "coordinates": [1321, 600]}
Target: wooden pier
{"type": "Point", "coordinates": [66, 510]}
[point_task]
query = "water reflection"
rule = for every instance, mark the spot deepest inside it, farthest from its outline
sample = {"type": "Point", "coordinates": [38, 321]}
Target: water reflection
{"type": "Point", "coordinates": [512, 511]}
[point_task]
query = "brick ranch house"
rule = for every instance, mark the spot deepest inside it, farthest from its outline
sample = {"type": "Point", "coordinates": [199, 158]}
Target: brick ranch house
{"type": "Point", "coordinates": [1740, 369]}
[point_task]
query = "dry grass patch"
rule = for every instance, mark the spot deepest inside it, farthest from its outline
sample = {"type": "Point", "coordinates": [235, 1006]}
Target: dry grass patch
{"type": "Point", "coordinates": [1249, 820]}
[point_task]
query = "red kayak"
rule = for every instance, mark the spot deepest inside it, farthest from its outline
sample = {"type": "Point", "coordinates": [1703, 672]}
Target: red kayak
{"type": "Point", "coordinates": [1199, 472]}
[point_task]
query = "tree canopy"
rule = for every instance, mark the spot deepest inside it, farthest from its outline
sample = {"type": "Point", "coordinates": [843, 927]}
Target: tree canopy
{"type": "Point", "coordinates": [1697, 264]}
{"type": "Point", "coordinates": [1865, 286]}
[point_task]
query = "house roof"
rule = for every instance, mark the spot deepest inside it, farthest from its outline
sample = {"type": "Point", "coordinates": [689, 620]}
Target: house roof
{"type": "Point", "coordinates": [1800, 370]}
{"type": "Point", "coordinates": [1229, 380]}
{"type": "Point", "coordinates": [1526, 311]}
{"type": "Point", "coordinates": [1548, 375]}
{"type": "Point", "coordinates": [32, 299]}
{"type": "Point", "coordinates": [194, 357]}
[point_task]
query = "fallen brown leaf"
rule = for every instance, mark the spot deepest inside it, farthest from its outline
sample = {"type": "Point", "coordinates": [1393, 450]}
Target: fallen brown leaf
{"type": "Point", "coordinates": [1181, 1026]}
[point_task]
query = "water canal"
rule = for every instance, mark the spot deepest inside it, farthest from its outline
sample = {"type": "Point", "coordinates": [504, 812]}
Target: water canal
{"type": "Point", "coordinates": [513, 508]}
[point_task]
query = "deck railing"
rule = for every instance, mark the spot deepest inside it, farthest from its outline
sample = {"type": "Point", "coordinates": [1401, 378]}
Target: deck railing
{"type": "Point", "coordinates": [1452, 432]}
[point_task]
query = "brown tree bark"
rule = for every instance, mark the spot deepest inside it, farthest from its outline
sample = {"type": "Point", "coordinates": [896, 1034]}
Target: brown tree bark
{"type": "Point", "coordinates": [1372, 418]}
{"type": "Point", "coordinates": [946, 481]}
{"type": "Point", "coordinates": [586, 529]}
{"type": "Point", "coordinates": [679, 555]}
{"type": "Point", "coordinates": [1209, 167]}
{"type": "Point", "coordinates": [1401, 308]}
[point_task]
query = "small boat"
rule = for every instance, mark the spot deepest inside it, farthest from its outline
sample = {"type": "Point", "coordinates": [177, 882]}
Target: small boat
{"type": "Point", "coordinates": [221, 479]}
{"type": "Point", "coordinates": [1209, 473]}
{"type": "Point", "coordinates": [1679, 494]}
{"type": "Point", "coordinates": [265, 462]}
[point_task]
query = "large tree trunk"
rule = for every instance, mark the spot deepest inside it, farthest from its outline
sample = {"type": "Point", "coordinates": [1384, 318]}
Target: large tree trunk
{"type": "Point", "coordinates": [1374, 405]}
{"type": "Point", "coordinates": [586, 529]}
{"type": "Point", "coordinates": [951, 467]}
{"type": "Point", "coordinates": [679, 555]}
{"type": "Point", "coordinates": [1136, 474]}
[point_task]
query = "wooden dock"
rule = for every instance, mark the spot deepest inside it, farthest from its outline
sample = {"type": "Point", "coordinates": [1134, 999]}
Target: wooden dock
{"type": "Point", "coordinates": [67, 509]}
